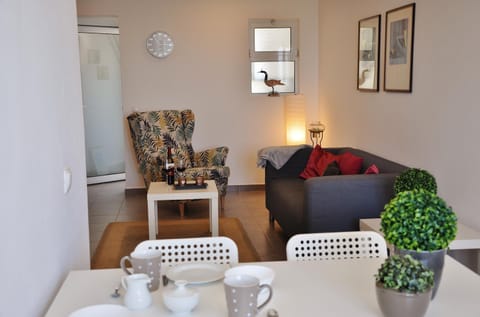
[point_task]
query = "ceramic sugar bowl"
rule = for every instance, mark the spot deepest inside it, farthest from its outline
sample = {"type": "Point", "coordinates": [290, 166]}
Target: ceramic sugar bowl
{"type": "Point", "coordinates": [181, 299]}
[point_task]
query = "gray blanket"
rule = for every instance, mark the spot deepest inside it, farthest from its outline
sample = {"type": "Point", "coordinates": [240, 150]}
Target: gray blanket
{"type": "Point", "coordinates": [277, 155]}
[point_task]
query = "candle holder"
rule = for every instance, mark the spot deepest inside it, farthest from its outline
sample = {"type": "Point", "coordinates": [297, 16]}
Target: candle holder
{"type": "Point", "coordinates": [316, 130]}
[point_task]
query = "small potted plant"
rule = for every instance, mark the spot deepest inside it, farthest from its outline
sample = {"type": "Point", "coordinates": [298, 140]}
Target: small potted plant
{"type": "Point", "coordinates": [403, 287]}
{"type": "Point", "coordinates": [414, 178]}
{"type": "Point", "coordinates": [418, 222]}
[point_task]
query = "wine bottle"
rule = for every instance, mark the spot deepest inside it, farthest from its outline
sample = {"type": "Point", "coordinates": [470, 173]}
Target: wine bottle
{"type": "Point", "coordinates": [170, 167]}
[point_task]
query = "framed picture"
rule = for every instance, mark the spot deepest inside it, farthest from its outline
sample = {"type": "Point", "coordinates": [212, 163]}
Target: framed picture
{"type": "Point", "coordinates": [368, 53]}
{"type": "Point", "coordinates": [399, 29]}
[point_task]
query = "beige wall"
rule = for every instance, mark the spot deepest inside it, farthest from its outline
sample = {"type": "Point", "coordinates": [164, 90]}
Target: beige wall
{"type": "Point", "coordinates": [208, 71]}
{"type": "Point", "coordinates": [435, 127]}
{"type": "Point", "coordinates": [44, 232]}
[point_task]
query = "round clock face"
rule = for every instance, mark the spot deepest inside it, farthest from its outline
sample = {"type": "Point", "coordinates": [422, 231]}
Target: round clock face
{"type": "Point", "coordinates": [159, 44]}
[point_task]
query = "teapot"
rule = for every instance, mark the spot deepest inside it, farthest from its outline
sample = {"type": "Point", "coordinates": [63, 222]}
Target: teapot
{"type": "Point", "coordinates": [137, 296]}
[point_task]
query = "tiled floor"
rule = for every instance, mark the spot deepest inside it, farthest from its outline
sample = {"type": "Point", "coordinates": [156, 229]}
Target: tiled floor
{"type": "Point", "coordinates": [108, 203]}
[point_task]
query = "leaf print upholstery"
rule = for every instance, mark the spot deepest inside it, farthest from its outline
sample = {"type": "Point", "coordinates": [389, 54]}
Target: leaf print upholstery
{"type": "Point", "coordinates": [153, 132]}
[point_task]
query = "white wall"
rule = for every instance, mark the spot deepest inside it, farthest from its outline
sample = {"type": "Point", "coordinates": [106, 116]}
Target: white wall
{"type": "Point", "coordinates": [208, 72]}
{"type": "Point", "coordinates": [435, 127]}
{"type": "Point", "coordinates": [43, 232]}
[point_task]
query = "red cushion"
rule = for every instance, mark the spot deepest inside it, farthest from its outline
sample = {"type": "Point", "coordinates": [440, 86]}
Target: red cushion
{"type": "Point", "coordinates": [309, 170]}
{"type": "Point", "coordinates": [372, 169]}
{"type": "Point", "coordinates": [349, 164]}
{"type": "Point", "coordinates": [322, 164]}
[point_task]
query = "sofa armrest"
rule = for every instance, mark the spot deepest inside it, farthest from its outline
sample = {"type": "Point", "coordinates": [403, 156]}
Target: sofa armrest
{"type": "Point", "coordinates": [211, 157]}
{"type": "Point", "coordinates": [336, 203]}
{"type": "Point", "coordinates": [292, 168]}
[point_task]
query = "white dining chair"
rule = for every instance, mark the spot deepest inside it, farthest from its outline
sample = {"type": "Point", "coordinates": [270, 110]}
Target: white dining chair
{"type": "Point", "coordinates": [218, 250]}
{"type": "Point", "coordinates": [336, 246]}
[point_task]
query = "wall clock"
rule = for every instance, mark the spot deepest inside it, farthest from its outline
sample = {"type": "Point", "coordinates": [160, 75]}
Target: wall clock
{"type": "Point", "coordinates": [159, 44]}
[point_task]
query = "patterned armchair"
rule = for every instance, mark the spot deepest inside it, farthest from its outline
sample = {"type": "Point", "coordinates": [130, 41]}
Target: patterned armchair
{"type": "Point", "coordinates": [153, 132]}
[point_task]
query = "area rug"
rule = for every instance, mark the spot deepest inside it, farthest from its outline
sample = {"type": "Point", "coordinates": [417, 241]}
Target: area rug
{"type": "Point", "coordinates": [120, 238]}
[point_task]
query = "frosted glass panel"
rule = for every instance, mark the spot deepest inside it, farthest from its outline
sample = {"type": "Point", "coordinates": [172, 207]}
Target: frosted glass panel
{"type": "Point", "coordinates": [102, 103]}
{"type": "Point", "coordinates": [284, 71]}
{"type": "Point", "coordinates": [272, 40]}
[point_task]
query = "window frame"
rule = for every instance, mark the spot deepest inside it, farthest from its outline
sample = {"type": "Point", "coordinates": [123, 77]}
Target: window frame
{"type": "Point", "coordinates": [275, 56]}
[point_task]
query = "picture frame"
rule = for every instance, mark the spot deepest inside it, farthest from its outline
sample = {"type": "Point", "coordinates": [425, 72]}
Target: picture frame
{"type": "Point", "coordinates": [399, 39]}
{"type": "Point", "coordinates": [368, 66]}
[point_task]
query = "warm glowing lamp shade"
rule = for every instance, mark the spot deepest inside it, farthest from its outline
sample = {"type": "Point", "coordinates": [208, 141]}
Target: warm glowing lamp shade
{"type": "Point", "coordinates": [295, 119]}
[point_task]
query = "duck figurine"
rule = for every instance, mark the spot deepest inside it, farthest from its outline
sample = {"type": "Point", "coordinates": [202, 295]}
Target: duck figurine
{"type": "Point", "coordinates": [271, 83]}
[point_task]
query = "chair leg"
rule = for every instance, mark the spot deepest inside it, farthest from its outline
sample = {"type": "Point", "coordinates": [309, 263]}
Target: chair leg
{"type": "Point", "coordinates": [222, 202]}
{"type": "Point", "coordinates": [181, 208]}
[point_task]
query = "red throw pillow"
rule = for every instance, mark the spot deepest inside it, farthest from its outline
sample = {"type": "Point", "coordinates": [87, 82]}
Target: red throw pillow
{"type": "Point", "coordinates": [323, 162]}
{"type": "Point", "coordinates": [349, 164]}
{"type": "Point", "coordinates": [372, 169]}
{"type": "Point", "coordinates": [309, 170]}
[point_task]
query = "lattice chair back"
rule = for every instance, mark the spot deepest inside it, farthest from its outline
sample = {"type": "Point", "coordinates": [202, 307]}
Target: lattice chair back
{"type": "Point", "coordinates": [336, 246]}
{"type": "Point", "coordinates": [219, 250]}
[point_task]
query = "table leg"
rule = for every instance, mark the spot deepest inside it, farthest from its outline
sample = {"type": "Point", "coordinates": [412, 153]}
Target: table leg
{"type": "Point", "coordinates": [155, 213]}
{"type": "Point", "coordinates": [213, 206]}
{"type": "Point", "coordinates": [152, 219]}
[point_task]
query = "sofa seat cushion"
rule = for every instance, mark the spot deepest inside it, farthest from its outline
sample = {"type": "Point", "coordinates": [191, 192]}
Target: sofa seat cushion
{"type": "Point", "coordinates": [218, 173]}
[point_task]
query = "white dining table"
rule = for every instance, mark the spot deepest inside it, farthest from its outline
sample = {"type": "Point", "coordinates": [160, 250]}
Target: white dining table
{"type": "Point", "coordinates": [300, 289]}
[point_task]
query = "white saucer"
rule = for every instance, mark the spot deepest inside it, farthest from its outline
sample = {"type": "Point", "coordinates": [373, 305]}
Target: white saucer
{"type": "Point", "coordinates": [197, 273]}
{"type": "Point", "coordinates": [101, 311]}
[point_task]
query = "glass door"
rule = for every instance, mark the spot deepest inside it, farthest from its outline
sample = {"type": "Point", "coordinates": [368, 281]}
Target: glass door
{"type": "Point", "coordinates": [102, 103]}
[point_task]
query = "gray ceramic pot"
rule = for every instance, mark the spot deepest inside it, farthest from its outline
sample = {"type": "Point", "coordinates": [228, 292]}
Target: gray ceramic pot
{"type": "Point", "coordinates": [434, 260]}
{"type": "Point", "coordinates": [396, 304]}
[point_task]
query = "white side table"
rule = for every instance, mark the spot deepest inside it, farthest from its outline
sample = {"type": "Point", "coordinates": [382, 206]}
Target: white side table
{"type": "Point", "coordinates": [467, 238]}
{"type": "Point", "coordinates": [161, 191]}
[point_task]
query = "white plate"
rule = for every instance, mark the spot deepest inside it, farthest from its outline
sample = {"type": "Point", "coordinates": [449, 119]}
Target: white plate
{"type": "Point", "coordinates": [101, 311]}
{"type": "Point", "coordinates": [263, 273]}
{"type": "Point", "coordinates": [197, 273]}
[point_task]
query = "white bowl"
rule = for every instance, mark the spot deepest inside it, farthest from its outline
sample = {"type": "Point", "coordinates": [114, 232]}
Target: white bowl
{"type": "Point", "coordinates": [180, 300]}
{"type": "Point", "coordinates": [101, 311]}
{"type": "Point", "coordinates": [263, 273]}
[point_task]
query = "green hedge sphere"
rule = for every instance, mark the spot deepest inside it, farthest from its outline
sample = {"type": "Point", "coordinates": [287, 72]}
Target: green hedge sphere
{"type": "Point", "coordinates": [415, 178]}
{"type": "Point", "coordinates": [418, 220]}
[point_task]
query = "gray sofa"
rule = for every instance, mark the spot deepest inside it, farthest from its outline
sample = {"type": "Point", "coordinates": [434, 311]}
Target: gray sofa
{"type": "Point", "coordinates": [327, 203]}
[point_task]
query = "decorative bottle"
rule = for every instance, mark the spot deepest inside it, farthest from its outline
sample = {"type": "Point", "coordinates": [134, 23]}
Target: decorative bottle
{"type": "Point", "coordinates": [170, 167]}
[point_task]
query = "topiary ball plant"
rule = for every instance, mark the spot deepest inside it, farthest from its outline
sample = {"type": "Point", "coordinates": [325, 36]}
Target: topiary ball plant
{"type": "Point", "coordinates": [418, 220]}
{"type": "Point", "coordinates": [414, 178]}
{"type": "Point", "coordinates": [404, 274]}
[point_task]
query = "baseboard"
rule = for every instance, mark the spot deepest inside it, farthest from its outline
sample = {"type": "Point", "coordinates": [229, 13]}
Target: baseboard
{"type": "Point", "coordinates": [105, 179]}
{"type": "Point", "coordinates": [135, 191]}
{"type": "Point", "coordinates": [245, 188]}
{"type": "Point", "coordinates": [230, 189]}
